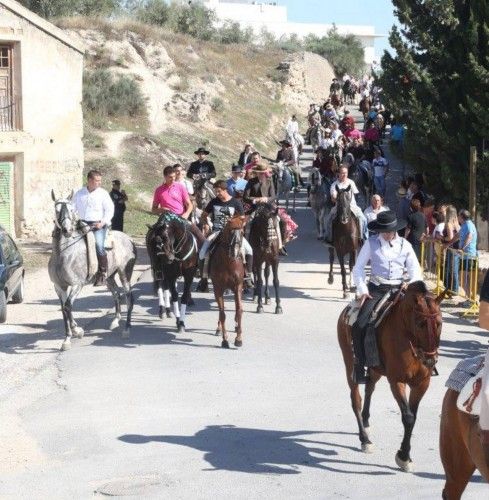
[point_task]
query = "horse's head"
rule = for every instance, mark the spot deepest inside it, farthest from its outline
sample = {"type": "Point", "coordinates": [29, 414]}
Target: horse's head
{"type": "Point", "coordinates": [168, 233]}
{"type": "Point", "coordinates": [343, 203]}
{"type": "Point", "coordinates": [66, 218]}
{"type": "Point", "coordinates": [423, 322]}
{"type": "Point", "coordinates": [233, 235]}
{"type": "Point", "coordinates": [316, 178]}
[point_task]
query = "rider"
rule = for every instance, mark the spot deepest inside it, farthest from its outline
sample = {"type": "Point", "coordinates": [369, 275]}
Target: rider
{"type": "Point", "coordinates": [255, 160]}
{"type": "Point", "coordinates": [95, 208]}
{"type": "Point", "coordinates": [335, 86]}
{"type": "Point", "coordinates": [286, 155]}
{"type": "Point", "coordinates": [343, 182]}
{"type": "Point", "coordinates": [260, 190]}
{"type": "Point", "coordinates": [236, 184]}
{"type": "Point", "coordinates": [201, 166]}
{"type": "Point", "coordinates": [390, 256]}
{"type": "Point", "coordinates": [347, 122]}
{"type": "Point", "coordinates": [220, 209]}
{"type": "Point", "coordinates": [180, 178]}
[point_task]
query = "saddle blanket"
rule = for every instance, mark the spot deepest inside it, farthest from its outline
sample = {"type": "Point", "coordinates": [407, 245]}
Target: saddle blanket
{"type": "Point", "coordinates": [466, 380]}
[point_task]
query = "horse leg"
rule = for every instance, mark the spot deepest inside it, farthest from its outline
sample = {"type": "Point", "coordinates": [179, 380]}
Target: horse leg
{"type": "Point", "coordinates": [62, 294]}
{"type": "Point", "coordinates": [341, 258]}
{"type": "Point", "coordinates": [112, 286]}
{"type": "Point", "coordinates": [174, 300]}
{"type": "Point", "coordinates": [276, 286]}
{"type": "Point", "coordinates": [221, 325]}
{"type": "Point", "coordinates": [331, 262]}
{"type": "Point", "coordinates": [351, 265]}
{"type": "Point", "coordinates": [126, 285]}
{"type": "Point", "coordinates": [161, 300]}
{"type": "Point", "coordinates": [369, 389]}
{"type": "Point", "coordinates": [238, 302]}
{"type": "Point", "coordinates": [259, 287]}
{"type": "Point", "coordinates": [455, 456]}
{"type": "Point", "coordinates": [167, 297]}
{"type": "Point", "coordinates": [188, 277]}
{"type": "Point", "coordinates": [267, 291]}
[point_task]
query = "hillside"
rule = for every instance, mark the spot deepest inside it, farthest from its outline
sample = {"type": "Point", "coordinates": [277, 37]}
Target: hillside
{"type": "Point", "coordinates": [196, 93]}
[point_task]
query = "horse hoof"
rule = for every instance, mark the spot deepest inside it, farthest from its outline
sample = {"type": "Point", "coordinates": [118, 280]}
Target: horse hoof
{"type": "Point", "coordinates": [218, 332]}
{"type": "Point", "coordinates": [114, 324]}
{"type": "Point", "coordinates": [181, 327]}
{"type": "Point", "coordinates": [79, 332]}
{"type": "Point", "coordinates": [126, 333]}
{"type": "Point", "coordinates": [168, 312]}
{"type": "Point", "coordinates": [330, 280]}
{"type": "Point", "coordinates": [190, 302]}
{"type": "Point", "coordinates": [404, 465]}
{"type": "Point", "coordinates": [161, 312]}
{"type": "Point", "coordinates": [238, 343]}
{"type": "Point", "coordinates": [368, 447]}
{"type": "Point", "coordinates": [278, 310]}
{"type": "Point", "coordinates": [66, 345]}
{"type": "Point", "coordinates": [255, 298]}
{"type": "Point", "coordinates": [225, 344]}
{"type": "Point", "coordinates": [259, 309]}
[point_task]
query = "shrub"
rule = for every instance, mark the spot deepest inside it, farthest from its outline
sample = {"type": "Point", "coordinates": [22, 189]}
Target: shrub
{"type": "Point", "coordinates": [154, 12]}
{"type": "Point", "coordinates": [105, 95]}
{"type": "Point", "coordinates": [231, 32]}
{"type": "Point", "coordinates": [217, 105]}
{"type": "Point", "coordinates": [56, 8]}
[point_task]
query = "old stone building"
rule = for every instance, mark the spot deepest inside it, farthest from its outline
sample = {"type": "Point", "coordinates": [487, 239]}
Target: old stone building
{"type": "Point", "coordinates": [41, 121]}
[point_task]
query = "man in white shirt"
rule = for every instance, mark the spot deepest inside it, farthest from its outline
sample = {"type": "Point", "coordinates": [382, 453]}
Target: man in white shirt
{"type": "Point", "coordinates": [390, 257]}
{"type": "Point", "coordinates": [381, 168]}
{"type": "Point", "coordinates": [292, 129]}
{"type": "Point", "coordinates": [342, 183]}
{"type": "Point", "coordinates": [95, 207]}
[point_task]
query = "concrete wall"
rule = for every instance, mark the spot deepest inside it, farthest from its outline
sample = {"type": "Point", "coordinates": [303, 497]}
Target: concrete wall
{"type": "Point", "coordinates": [48, 151]}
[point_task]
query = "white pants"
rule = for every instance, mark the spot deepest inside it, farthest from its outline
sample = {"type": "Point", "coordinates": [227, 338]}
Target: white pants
{"type": "Point", "coordinates": [245, 245]}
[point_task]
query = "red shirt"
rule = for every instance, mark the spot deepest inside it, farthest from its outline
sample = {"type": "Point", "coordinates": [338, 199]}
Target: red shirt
{"type": "Point", "coordinates": [173, 197]}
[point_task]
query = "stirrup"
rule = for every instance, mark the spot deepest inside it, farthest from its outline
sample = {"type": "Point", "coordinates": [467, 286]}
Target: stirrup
{"type": "Point", "coordinates": [248, 279]}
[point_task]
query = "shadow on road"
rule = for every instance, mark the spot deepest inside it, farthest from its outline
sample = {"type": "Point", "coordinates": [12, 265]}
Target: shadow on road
{"type": "Point", "coordinates": [258, 451]}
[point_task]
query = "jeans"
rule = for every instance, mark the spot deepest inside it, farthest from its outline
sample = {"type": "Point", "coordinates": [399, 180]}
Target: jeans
{"type": "Point", "coordinates": [358, 214]}
{"type": "Point", "coordinates": [245, 245]}
{"type": "Point", "coordinates": [379, 184]}
{"type": "Point", "coordinates": [452, 271]}
{"type": "Point", "coordinates": [100, 235]}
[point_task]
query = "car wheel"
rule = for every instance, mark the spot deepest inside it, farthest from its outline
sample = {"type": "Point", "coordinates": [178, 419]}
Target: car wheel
{"type": "Point", "coordinates": [18, 296]}
{"type": "Point", "coordinates": [3, 307]}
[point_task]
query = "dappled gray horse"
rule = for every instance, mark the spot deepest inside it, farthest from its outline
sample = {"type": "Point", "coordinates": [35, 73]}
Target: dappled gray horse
{"type": "Point", "coordinates": [69, 269]}
{"type": "Point", "coordinates": [320, 200]}
{"type": "Point", "coordinates": [284, 184]}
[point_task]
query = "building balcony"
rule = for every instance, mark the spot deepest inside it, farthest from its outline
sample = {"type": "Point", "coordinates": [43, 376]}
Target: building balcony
{"type": "Point", "coordinates": [10, 114]}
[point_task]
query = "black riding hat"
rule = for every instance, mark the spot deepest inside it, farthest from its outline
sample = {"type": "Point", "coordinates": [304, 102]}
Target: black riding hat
{"type": "Point", "coordinates": [386, 222]}
{"type": "Point", "coordinates": [201, 150]}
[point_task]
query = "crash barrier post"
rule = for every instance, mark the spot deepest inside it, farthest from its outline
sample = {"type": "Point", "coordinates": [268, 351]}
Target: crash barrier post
{"type": "Point", "coordinates": [452, 270]}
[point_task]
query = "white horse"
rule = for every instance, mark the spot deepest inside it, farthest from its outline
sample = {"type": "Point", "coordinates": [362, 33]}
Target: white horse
{"type": "Point", "coordinates": [320, 201]}
{"type": "Point", "coordinates": [284, 184]}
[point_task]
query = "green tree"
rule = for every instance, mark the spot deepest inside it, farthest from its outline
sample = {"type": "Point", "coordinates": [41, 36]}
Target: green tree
{"type": "Point", "coordinates": [438, 80]}
{"type": "Point", "coordinates": [56, 8]}
{"type": "Point", "coordinates": [194, 20]}
{"type": "Point", "coordinates": [344, 52]}
{"type": "Point", "coordinates": [153, 12]}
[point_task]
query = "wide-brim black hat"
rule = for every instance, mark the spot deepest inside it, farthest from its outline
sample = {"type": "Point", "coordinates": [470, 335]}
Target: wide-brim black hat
{"type": "Point", "coordinates": [386, 222]}
{"type": "Point", "coordinates": [201, 150]}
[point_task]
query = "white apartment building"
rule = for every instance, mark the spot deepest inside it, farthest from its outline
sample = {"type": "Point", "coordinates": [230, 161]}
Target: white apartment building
{"type": "Point", "coordinates": [274, 18]}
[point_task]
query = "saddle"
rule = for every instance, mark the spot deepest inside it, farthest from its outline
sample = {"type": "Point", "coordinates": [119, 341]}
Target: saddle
{"type": "Point", "coordinates": [466, 379]}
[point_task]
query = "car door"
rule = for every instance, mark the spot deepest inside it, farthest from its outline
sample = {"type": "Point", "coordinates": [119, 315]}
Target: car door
{"type": "Point", "coordinates": [16, 268]}
{"type": "Point", "coordinates": [6, 259]}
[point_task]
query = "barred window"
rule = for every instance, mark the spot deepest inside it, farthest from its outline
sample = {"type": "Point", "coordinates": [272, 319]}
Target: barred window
{"type": "Point", "coordinates": [4, 57]}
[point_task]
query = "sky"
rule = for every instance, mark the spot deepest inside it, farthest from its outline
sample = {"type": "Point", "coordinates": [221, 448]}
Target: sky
{"type": "Point", "coordinates": [379, 13]}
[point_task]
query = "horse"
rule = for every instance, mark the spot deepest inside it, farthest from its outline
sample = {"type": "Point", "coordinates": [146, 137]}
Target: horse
{"type": "Point", "coordinates": [284, 182]}
{"type": "Point", "coordinates": [316, 133]}
{"type": "Point", "coordinates": [364, 106]}
{"type": "Point", "coordinates": [320, 200]}
{"type": "Point", "coordinates": [460, 447]}
{"type": "Point", "coordinates": [408, 339]}
{"type": "Point", "coordinates": [68, 268]}
{"type": "Point", "coordinates": [174, 253]}
{"type": "Point", "coordinates": [227, 273]}
{"type": "Point", "coordinates": [346, 236]}
{"type": "Point", "coordinates": [363, 181]}
{"type": "Point", "coordinates": [336, 100]}
{"type": "Point", "coordinates": [203, 191]}
{"type": "Point", "coordinates": [264, 241]}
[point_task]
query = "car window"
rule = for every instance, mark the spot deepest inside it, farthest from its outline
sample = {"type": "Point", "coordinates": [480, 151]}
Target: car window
{"type": "Point", "coordinates": [14, 252]}
{"type": "Point", "coordinates": [6, 250]}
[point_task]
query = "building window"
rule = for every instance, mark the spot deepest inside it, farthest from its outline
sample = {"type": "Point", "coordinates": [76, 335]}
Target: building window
{"type": "Point", "coordinates": [4, 57]}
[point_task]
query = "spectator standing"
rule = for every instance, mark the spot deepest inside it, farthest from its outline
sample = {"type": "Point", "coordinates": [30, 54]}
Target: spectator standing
{"type": "Point", "coordinates": [452, 259]}
{"type": "Point", "coordinates": [375, 208]}
{"type": "Point", "coordinates": [468, 245]}
{"type": "Point", "coordinates": [119, 198]}
{"type": "Point", "coordinates": [245, 155]}
{"type": "Point", "coordinates": [416, 228]}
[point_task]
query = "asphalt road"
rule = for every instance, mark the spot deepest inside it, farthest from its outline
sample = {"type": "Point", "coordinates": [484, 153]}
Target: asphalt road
{"type": "Point", "coordinates": [163, 415]}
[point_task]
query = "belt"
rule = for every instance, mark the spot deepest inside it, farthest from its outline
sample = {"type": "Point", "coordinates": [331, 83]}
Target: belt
{"type": "Point", "coordinates": [378, 280]}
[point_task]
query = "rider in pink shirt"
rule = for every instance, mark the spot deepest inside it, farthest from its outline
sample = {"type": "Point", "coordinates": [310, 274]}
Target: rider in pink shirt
{"type": "Point", "coordinates": [172, 196]}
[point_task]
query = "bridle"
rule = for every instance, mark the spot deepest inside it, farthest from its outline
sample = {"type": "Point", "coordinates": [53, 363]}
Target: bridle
{"type": "Point", "coordinates": [419, 352]}
{"type": "Point", "coordinates": [179, 246]}
{"type": "Point", "coordinates": [64, 214]}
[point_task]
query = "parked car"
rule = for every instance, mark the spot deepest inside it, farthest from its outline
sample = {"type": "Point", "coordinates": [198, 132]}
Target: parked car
{"type": "Point", "coordinates": [11, 274]}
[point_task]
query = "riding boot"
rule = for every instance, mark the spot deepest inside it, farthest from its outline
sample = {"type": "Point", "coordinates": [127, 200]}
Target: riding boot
{"type": "Point", "coordinates": [101, 276]}
{"type": "Point", "coordinates": [308, 195]}
{"type": "Point", "coordinates": [203, 285]}
{"type": "Point", "coordinates": [248, 278]}
{"type": "Point", "coordinates": [359, 352]}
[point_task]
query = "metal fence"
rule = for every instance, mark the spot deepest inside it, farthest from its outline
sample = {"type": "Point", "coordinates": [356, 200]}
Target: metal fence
{"type": "Point", "coordinates": [452, 270]}
{"type": "Point", "coordinates": [10, 112]}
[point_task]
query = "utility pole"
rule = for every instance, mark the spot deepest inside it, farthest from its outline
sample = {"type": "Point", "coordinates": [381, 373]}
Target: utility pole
{"type": "Point", "coordinates": [472, 185]}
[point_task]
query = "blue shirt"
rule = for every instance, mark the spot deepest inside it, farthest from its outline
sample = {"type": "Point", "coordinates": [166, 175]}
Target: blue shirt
{"type": "Point", "coordinates": [468, 227]}
{"type": "Point", "coordinates": [397, 133]}
{"type": "Point", "coordinates": [236, 185]}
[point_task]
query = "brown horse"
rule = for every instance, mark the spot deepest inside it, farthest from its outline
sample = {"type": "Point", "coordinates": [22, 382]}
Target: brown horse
{"type": "Point", "coordinates": [365, 105]}
{"type": "Point", "coordinates": [460, 447]}
{"type": "Point", "coordinates": [346, 237]}
{"type": "Point", "coordinates": [264, 241]}
{"type": "Point", "coordinates": [408, 340]}
{"type": "Point", "coordinates": [227, 273]}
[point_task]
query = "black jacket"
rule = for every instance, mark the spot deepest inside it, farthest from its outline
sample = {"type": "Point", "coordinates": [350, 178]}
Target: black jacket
{"type": "Point", "coordinates": [205, 167]}
{"type": "Point", "coordinates": [255, 189]}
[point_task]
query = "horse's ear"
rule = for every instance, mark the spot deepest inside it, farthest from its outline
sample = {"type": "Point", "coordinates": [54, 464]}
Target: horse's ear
{"type": "Point", "coordinates": [53, 196]}
{"type": "Point", "coordinates": [441, 297]}
{"type": "Point", "coordinates": [348, 188]}
{"type": "Point", "coordinates": [337, 188]}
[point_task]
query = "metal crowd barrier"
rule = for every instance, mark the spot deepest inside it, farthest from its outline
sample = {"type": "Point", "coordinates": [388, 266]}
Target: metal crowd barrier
{"type": "Point", "coordinates": [451, 270]}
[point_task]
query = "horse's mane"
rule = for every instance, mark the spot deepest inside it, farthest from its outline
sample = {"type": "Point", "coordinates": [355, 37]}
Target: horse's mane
{"type": "Point", "coordinates": [418, 287]}
{"type": "Point", "coordinates": [236, 222]}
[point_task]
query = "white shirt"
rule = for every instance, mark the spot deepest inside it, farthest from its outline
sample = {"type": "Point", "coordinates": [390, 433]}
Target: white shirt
{"type": "Point", "coordinates": [188, 185]}
{"type": "Point", "coordinates": [292, 128]}
{"type": "Point", "coordinates": [380, 166]}
{"type": "Point", "coordinates": [344, 185]}
{"type": "Point", "coordinates": [371, 214]}
{"type": "Point", "coordinates": [413, 268]}
{"type": "Point", "coordinates": [439, 228]}
{"type": "Point", "coordinates": [95, 206]}
{"type": "Point", "coordinates": [327, 143]}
